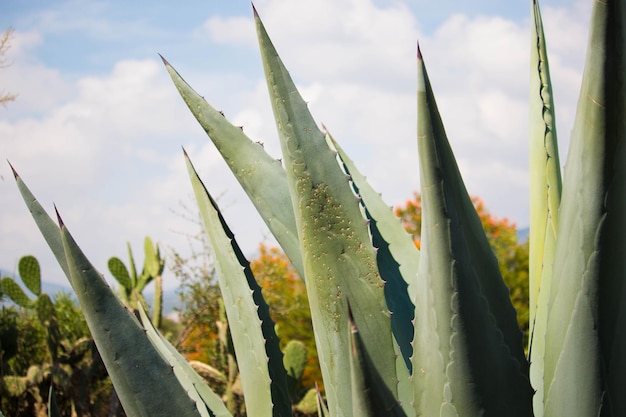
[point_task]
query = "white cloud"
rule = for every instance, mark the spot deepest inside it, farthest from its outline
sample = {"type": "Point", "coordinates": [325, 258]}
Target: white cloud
{"type": "Point", "coordinates": [234, 30]}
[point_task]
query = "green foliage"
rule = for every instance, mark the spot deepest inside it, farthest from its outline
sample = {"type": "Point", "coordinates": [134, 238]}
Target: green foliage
{"type": "Point", "coordinates": [368, 289]}
{"type": "Point", "coordinates": [48, 343]}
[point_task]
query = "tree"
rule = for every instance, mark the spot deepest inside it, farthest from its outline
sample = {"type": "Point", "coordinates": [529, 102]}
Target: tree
{"type": "Point", "coordinates": [502, 235]}
{"type": "Point", "coordinates": [5, 45]}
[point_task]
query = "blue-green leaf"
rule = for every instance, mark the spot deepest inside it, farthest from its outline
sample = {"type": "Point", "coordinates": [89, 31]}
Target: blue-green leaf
{"type": "Point", "coordinates": [468, 354]}
{"type": "Point", "coordinates": [144, 382]}
{"type": "Point", "coordinates": [339, 260]}
{"type": "Point", "coordinates": [207, 402]}
{"type": "Point", "coordinates": [256, 344]}
{"type": "Point", "coordinates": [261, 176]}
{"type": "Point", "coordinates": [370, 395]}
{"type": "Point", "coordinates": [396, 256]}
{"type": "Point", "coordinates": [545, 199]}
{"type": "Point", "coordinates": [585, 338]}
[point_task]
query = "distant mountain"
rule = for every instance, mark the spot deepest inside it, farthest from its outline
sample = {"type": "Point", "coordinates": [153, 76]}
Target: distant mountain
{"type": "Point", "coordinates": [522, 234]}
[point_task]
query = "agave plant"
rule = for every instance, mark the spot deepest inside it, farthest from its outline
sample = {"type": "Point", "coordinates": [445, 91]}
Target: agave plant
{"type": "Point", "coordinates": [401, 332]}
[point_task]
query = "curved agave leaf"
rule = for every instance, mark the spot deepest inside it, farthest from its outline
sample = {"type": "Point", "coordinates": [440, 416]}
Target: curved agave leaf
{"type": "Point", "coordinates": [585, 338]}
{"type": "Point", "coordinates": [545, 199]}
{"type": "Point", "coordinates": [339, 261]}
{"type": "Point", "coordinates": [49, 229]}
{"type": "Point", "coordinates": [261, 176]}
{"type": "Point", "coordinates": [259, 357]}
{"type": "Point", "coordinates": [370, 395]}
{"type": "Point", "coordinates": [207, 402]}
{"type": "Point", "coordinates": [322, 410]}
{"type": "Point", "coordinates": [396, 256]}
{"type": "Point", "coordinates": [545, 171]}
{"type": "Point", "coordinates": [143, 380]}
{"type": "Point", "coordinates": [466, 331]}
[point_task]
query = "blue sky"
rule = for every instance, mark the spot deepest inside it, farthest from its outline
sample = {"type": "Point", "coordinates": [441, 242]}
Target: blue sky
{"type": "Point", "coordinates": [97, 127]}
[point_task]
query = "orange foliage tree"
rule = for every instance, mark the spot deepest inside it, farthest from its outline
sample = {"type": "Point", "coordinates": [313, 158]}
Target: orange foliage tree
{"type": "Point", "coordinates": [502, 235]}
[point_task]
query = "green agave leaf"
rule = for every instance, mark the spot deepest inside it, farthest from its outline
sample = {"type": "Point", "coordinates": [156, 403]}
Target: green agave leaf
{"type": "Point", "coordinates": [322, 410]}
{"type": "Point", "coordinates": [120, 272]}
{"type": "Point", "coordinates": [545, 199]}
{"type": "Point", "coordinates": [259, 358]}
{"type": "Point", "coordinates": [12, 290]}
{"type": "Point", "coordinates": [466, 334]}
{"type": "Point", "coordinates": [545, 171]}
{"type": "Point", "coordinates": [339, 261]}
{"type": "Point", "coordinates": [396, 256]}
{"type": "Point", "coordinates": [143, 380]}
{"type": "Point", "coordinates": [370, 395]}
{"type": "Point", "coordinates": [141, 377]}
{"type": "Point", "coordinates": [585, 338]}
{"type": "Point", "coordinates": [28, 268]}
{"type": "Point", "coordinates": [207, 402]}
{"type": "Point", "coordinates": [261, 176]}
{"type": "Point", "coordinates": [49, 229]}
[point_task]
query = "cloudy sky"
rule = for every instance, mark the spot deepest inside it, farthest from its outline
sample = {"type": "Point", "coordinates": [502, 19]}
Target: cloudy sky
{"type": "Point", "coordinates": [97, 127]}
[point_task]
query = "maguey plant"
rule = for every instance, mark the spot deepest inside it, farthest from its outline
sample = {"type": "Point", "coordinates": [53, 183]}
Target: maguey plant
{"type": "Point", "coordinates": [401, 332]}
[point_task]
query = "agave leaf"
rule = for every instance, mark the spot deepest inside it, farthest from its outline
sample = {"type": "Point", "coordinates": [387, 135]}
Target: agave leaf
{"type": "Point", "coordinates": [207, 402]}
{"type": "Point", "coordinates": [585, 340]}
{"type": "Point", "coordinates": [259, 357]}
{"type": "Point", "coordinates": [138, 372]}
{"type": "Point", "coordinates": [261, 176]}
{"type": "Point", "coordinates": [545, 199]}
{"type": "Point", "coordinates": [339, 261]}
{"type": "Point", "coordinates": [143, 380]}
{"type": "Point", "coordinates": [370, 395]}
{"type": "Point", "coordinates": [322, 409]}
{"type": "Point", "coordinates": [28, 268]}
{"type": "Point", "coordinates": [545, 171]}
{"type": "Point", "coordinates": [49, 229]}
{"type": "Point", "coordinates": [396, 256]}
{"type": "Point", "coordinates": [11, 289]}
{"type": "Point", "coordinates": [466, 330]}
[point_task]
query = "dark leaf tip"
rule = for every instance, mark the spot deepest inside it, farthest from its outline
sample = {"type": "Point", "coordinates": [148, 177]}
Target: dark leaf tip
{"type": "Point", "coordinates": [15, 174]}
{"type": "Point", "coordinates": [60, 220]}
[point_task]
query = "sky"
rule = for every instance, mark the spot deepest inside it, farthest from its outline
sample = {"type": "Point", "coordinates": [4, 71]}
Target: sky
{"type": "Point", "coordinates": [97, 127]}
